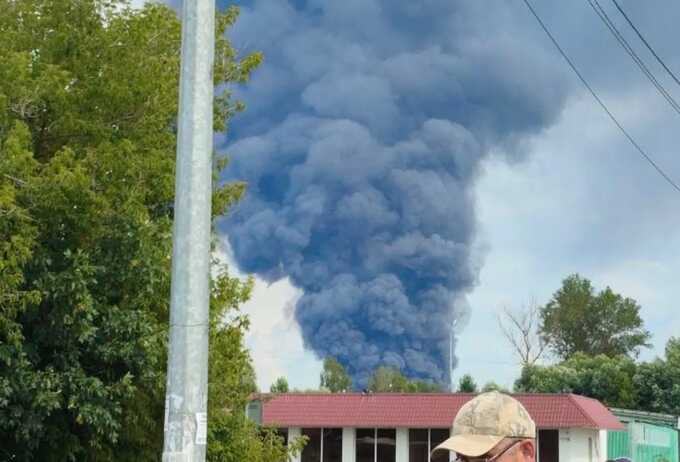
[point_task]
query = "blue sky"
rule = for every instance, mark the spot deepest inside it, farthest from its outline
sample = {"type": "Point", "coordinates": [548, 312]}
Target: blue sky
{"type": "Point", "coordinates": [535, 182]}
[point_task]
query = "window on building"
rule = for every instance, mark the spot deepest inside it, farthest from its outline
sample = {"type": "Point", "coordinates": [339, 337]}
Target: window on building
{"type": "Point", "coordinates": [365, 445]}
{"type": "Point", "coordinates": [254, 411]}
{"type": "Point", "coordinates": [418, 450]}
{"type": "Point", "coordinates": [438, 436]}
{"type": "Point", "coordinates": [332, 445]}
{"type": "Point", "coordinates": [376, 445]}
{"type": "Point", "coordinates": [324, 445]}
{"type": "Point", "coordinates": [387, 445]}
{"type": "Point", "coordinates": [422, 441]}
{"type": "Point", "coordinates": [312, 450]}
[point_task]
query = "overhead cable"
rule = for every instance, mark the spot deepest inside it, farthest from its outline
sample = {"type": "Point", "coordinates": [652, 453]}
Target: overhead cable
{"type": "Point", "coordinates": [599, 100]}
{"type": "Point", "coordinates": [602, 14]}
{"type": "Point", "coordinates": [642, 38]}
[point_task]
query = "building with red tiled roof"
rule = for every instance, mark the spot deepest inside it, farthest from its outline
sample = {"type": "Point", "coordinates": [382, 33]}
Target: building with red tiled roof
{"type": "Point", "coordinates": [404, 427]}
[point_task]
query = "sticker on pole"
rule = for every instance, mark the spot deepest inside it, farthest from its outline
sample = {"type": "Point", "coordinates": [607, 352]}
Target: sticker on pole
{"type": "Point", "coordinates": [201, 428]}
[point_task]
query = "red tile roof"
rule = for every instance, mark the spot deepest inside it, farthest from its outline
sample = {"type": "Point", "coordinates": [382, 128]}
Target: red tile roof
{"type": "Point", "coordinates": [422, 410]}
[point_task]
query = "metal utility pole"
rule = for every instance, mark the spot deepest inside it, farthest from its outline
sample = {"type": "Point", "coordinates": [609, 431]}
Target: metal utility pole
{"type": "Point", "coordinates": [187, 384]}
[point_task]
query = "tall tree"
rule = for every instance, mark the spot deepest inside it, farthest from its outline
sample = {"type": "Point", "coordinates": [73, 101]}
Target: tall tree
{"type": "Point", "coordinates": [467, 384]}
{"type": "Point", "coordinates": [334, 377]}
{"type": "Point", "coordinates": [88, 101]}
{"type": "Point", "coordinates": [280, 385]}
{"type": "Point", "coordinates": [577, 319]}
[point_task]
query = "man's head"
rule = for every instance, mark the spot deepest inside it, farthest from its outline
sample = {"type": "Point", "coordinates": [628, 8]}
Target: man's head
{"type": "Point", "coordinates": [492, 427]}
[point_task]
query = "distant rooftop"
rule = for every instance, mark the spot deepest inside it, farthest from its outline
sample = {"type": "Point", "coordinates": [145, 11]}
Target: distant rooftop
{"type": "Point", "coordinates": [422, 410]}
{"type": "Point", "coordinates": [654, 418]}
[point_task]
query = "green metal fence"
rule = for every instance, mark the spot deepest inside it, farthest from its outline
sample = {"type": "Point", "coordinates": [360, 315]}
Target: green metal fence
{"type": "Point", "coordinates": [642, 442]}
{"type": "Point", "coordinates": [618, 444]}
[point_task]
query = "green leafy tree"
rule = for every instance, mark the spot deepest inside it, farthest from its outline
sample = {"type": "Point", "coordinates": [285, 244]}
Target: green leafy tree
{"type": "Point", "coordinates": [387, 379]}
{"type": "Point", "coordinates": [608, 379]}
{"type": "Point", "coordinates": [658, 382]}
{"type": "Point", "coordinates": [88, 102]}
{"type": "Point", "coordinates": [577, 319]}
{"type": "Point", "coordinates": [334, 377]}
{"type": "Point", "coordinates": [493, 386]}
{"type": "Point", "coordinates": [422, 386]}
{"type": "Point", "coordinates": [280, 385]}
{"type": "Point", "coordinates": [467, 384]}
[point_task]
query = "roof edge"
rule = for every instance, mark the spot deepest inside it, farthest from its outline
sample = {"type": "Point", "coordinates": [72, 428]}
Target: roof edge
{"type": "Point", "coordinates": [357, 393]}
{"type": "Point", "coordinates": [654, 418]}
{"type": "Point", "coordinates": [576, 400]}
{"type": "Point", "coordinates": [589, 412]}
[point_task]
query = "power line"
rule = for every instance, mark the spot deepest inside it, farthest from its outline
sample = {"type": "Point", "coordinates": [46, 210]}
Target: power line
{"type": "Point", "coordinates": [595, 5]}
{"type": "Point", "coordinates": [642, 38]}
{"type": "Point", "coordinates": [597, 98]}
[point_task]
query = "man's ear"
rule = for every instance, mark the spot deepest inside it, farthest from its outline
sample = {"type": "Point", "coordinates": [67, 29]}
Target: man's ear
{"type": "Point", "coordinates": [527, 449]}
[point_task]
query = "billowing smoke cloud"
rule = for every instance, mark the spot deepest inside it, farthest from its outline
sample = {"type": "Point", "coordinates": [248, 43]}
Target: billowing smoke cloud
{"type": "Point", "coordinates": [364, 135]}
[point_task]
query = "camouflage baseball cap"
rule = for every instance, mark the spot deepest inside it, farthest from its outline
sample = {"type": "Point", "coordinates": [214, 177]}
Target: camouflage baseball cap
{"type": "Point", "coordinates": [487, 420]}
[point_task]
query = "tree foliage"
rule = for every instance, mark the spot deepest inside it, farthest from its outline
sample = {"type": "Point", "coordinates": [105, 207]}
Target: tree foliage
{"type": "Point", "coordinates": [387, 379]}
{"type": "Point", "coordinates": [280, 385]}
{"type": "Point", "coordinates": [577, 319]}
{"type": "Point", "coordinates": [493, 386]}
{"type": "Point", "coordinates": [467, 384]}
{"type": "Point", "coordinates": [658, 381]}
{"type": "Point", "coordinates": [608, 379]}
{"type": "Point", "coordinates": [616, 381]}
{"type": "Point", "coordinates": [334, 377]}
{"type": "Point", "coordinates": [88, 103]}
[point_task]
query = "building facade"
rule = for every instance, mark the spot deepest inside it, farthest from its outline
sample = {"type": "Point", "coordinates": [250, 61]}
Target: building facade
{"type": "Point", "coordinates": [396, 427]}
{"type": "Point", "coordinates": [648, 437]}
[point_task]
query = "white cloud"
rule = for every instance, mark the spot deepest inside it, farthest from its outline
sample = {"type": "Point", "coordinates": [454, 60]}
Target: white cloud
{"type": "Point", "coordinates": [274, 339]}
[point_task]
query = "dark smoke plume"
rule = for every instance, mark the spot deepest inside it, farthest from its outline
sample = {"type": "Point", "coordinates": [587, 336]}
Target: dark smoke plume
{"type": "Point", "coordinates": [364, 135]}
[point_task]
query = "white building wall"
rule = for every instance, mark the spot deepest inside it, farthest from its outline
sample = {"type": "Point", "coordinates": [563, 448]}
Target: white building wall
{"type": "Point", "coordinates": [294, 432]}
{"type": "Point", "coordinates": [582, 445]}
{"type": "Point", "coordinates": [349, 441]}
{"type": "Point", "coordinates": [402, 445]}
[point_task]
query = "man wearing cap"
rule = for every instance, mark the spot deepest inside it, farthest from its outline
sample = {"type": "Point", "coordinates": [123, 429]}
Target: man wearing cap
{"type": "Point", "coordinates": [492, 427]}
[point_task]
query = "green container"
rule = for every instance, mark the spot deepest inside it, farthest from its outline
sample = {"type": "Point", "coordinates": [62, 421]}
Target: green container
{"type": "Point", "coordinates": [642, 442]}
